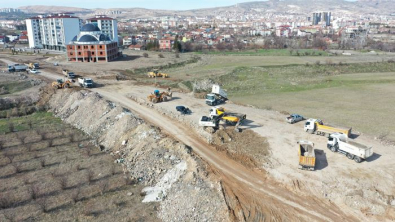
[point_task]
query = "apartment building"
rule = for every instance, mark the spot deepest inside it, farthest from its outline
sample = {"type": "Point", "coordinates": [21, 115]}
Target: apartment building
{"type": "Point", "coordinates": [107, 25]}
{"type": "Point", "coordinates": [52, 31]}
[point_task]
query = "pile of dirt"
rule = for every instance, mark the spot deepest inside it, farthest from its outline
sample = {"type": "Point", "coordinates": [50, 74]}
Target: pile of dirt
{"type": "Point", "coordinates": [246, 147]}
{"type": "Point", "coordinates": [176, 178]}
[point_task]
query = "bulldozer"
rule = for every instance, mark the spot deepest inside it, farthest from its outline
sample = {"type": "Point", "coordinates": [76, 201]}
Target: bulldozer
{"type": "Point", "coordinates": [159, 96]}
{"type": "Point", "coordinates": [60, 84]}
{"type": "Point", "coordinates": [155, 74]}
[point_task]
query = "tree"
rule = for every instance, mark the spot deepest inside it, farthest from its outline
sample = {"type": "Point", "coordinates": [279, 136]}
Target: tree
{"type": "Point", "coordinates": [221, 46]}
{"type": "Point", "coordinates": [177, 44]}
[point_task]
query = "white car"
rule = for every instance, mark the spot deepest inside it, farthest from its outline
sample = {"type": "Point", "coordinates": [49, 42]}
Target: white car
{"type": "Point", "coordinates": [34, 71]}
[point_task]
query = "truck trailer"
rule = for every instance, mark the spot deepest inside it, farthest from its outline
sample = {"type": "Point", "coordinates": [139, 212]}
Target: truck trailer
{"type": "Point", "coordinates": [306, 155]}
{"type": "Point", "coordinates": [318, 127]}
{"type": "Point", "coordinates": [339, 142]}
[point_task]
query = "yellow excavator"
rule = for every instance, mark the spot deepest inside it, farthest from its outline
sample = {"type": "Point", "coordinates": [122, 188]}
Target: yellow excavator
{"type": "Point", "coordinates": [155, 74]}
{"type": "Point", "coordinates": [159, 96]}
{"type": "Point", "coordinates": [60, 84]}
{"type": "Point", "coordinates": [228, 117]}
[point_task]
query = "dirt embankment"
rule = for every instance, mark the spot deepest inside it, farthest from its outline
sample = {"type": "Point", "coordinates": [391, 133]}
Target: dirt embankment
{"type": "Point", "coordinates": [173, 175]}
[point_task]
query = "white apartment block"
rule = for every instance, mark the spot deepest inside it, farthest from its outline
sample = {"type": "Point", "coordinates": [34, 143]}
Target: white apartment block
{"type": "Point", "coordinates": [52, 32]}
{"type": "Point", "coordinates": [107, 25]}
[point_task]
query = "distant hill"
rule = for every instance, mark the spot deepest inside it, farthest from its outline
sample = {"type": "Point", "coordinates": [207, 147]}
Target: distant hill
{"type": "Point", "coordinates": [383, 7]}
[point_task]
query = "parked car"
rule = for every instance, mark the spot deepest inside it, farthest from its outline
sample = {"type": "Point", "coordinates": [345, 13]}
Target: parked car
{"type": "Point", "coordinates": [183, 110]}
{"type": "Point", "coordinates": [34, 71]}
{"type": "Point", "coordinates": [293, 118]}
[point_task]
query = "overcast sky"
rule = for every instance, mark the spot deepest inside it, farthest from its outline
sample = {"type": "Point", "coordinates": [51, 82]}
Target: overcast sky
{"type": "Point", "coordinates": [151, 4]}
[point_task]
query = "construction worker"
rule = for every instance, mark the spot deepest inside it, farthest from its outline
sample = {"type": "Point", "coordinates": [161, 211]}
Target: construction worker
{"type": "Point", "coordinates": [156, 92]}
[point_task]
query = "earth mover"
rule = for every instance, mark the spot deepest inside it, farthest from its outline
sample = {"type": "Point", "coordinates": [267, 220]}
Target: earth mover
{"type": "Point", "coordinates": [155, 74]}
{"type": "Point", "coordinates": [60, 84]}
{"type": "Point", "coordinates": [228, 117]}
{"type": "Point", "coordinates": [306, 155]}
{"type": "Point", "coordinates": [159, 96]}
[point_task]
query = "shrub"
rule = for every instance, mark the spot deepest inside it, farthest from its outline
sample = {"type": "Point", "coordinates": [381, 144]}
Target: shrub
{"type": "Point", "coordinates": [317, 63]}
{"type": "Point", "coordinates": [63, 182]}
{"type": "Point", "coordinates": [177, 55]}
{"type": "Point", "coordinates": [11, 127]}
{"type": "Point", "coordinates": [161, 55]}
{"type": "Point", "coordinates": [145, 55]}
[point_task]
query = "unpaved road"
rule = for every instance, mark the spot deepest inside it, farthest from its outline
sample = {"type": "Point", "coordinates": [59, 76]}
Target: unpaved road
{"type": "Point", "coordinates": [250, 195]}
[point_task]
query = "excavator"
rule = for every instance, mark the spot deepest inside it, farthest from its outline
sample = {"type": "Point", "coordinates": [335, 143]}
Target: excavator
{"type": "Point", "coordinates": [218, 114]}
{"type": "Point", "coordinates": [60, 84]}
{"type": "Point", "coordinates": [155, 74]}
{"type": "Point", "coordinates": [160, 96]}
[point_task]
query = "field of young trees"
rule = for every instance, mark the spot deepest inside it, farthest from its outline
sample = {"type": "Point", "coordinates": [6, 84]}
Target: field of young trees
{"type": "Point", "coordinates": [50, 171]}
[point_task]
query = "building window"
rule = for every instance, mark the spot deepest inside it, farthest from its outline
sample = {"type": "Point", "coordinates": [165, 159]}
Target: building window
{"type": "Point", "coordinates": [92, 46]}
{"type": "Point", "coordinates": [100, 47]}
{"type": "Point", "coordinates": [93, 53]}
{"type": "Point", "coordinates": [71, 53]}
{"type": "Point", "coordinates": [79, 53]}
{"type": "Point", "coordinates": [70, 47]}
{"type": "Point", "coordinates": [79, 47]}
{"type": "Point", "coordinates": [101, 53]}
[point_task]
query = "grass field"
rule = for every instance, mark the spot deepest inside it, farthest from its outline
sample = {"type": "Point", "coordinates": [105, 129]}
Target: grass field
{"type": "Point", "coordinates": [13, 87]}
{"type": "Point", "coordinates": [50, 171]}
{"type": "Point", "coordinates": [344, 90]}
{"type": "Point", "coordinates": [270, 52]}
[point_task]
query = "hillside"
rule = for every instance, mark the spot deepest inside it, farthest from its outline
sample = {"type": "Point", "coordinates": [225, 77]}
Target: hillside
{"type": "Point", "coordinates": [272, 6]}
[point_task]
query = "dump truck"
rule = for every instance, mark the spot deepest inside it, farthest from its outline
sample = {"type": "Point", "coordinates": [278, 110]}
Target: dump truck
{"type": "Point", "coordinates": [339, 142]}
{"type": "Point", "coordinates": [318, 127]}
{"type": "Point", "coordinates": [217, 96]}
{"type": "Point", "coordinates": [68, 74]}
{"type": "Point", "coordinates": [60, 84]}
{"type": "Point", "coordinates": [293, 118]}
{"type": "Point", "coordinates": [17, 68]}
{"type": "Point", "coordinates": [85, 82]}
{"type": "Point", "coordinates": [155, 73]}
{"type": "Point", "coordinates": [159, 96]}
{"type": "Point", "coordinates": [306, 155]}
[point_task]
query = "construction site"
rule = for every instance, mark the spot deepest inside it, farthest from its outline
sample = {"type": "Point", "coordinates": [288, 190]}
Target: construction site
{"type": "Point", "coordinates": [204, 138]}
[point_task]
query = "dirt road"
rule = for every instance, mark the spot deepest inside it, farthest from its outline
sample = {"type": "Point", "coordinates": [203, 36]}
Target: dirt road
{"type": "Point", "coordinates": [250, 195]}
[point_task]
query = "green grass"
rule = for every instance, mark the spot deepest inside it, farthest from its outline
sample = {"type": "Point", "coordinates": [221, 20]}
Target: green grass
{"type": "Point", "coordinates": [271, 52]}
{"type": "Point", "coordinates": [38, 120]}
{"type": "Point", "coordinates": [13, 87]}
{"type": "Point", "coordinates": [295, 78]}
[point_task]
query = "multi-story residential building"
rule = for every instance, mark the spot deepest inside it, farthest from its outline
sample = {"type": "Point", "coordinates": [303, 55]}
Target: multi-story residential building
{"type": "Point", "coordinates": [92, 45]}
{"type": "Point", "coordinates": [52, 31]}
{"type": "Point", "coordinates": [324, 17]}
{"type": "Point", "coordinates": [165, 44]}
{"type": "Point", "coordinates": [107, 25]}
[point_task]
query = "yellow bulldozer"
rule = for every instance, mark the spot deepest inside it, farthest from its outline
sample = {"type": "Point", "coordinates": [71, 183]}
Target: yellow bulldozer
{"type": "Point", "coordinates": [60, 84]}
{"type": "Point", "coordinates": [159, 96]}
{"type": "Point", "coordinates": [155, 74]}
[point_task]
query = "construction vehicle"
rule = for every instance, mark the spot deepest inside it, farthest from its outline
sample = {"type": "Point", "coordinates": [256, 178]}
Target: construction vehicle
{"type": "Point", "coordinates": [155, 73]}
{"type": "Point", "coordinates": [17, 68]}
{"type": "Point", "coordinates": [60, 84]}
{"type": "Point", "coordinates": [85, 82]}
{"type": "Point", "coordinates": [228, 117]}
{"type": "Point", "coordinates": [33, 65]}
{"type": "Point", "coordinates": [217, 96]}
{"type": "Point", "coordinates": [68, 74]}
{"type": "Point", "coordinates": [293, 118]}
{"type": "Point", "coordinates": [306, 155]}
{"type": "Point", "coordinates": [218, 114]}
{"type": "Point", "coordinates": [318, 127]}
{"type": "Point", "coordinates": [339, 142]}
{"type": "Point", "coordinates": [159, 96]}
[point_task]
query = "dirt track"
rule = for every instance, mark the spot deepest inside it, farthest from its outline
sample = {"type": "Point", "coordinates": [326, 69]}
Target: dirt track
{"type": "Point", "coordinates": [248, 197]}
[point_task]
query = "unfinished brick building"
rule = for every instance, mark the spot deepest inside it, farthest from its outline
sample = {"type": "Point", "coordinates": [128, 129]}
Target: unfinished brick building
{"type": "Point", "coordinates": [91, 45]}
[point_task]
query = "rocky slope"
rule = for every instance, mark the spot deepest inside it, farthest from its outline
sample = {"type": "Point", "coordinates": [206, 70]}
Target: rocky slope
{"type": "Point", "coordinates": [173, 176]}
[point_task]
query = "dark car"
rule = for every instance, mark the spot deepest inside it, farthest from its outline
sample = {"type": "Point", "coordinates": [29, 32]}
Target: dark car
{"type": "Point", "coordinates": [183, 110]}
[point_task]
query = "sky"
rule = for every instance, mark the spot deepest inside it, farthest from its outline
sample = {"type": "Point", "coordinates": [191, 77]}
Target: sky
{"type": "Point", "coordinates": [150, 4]}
